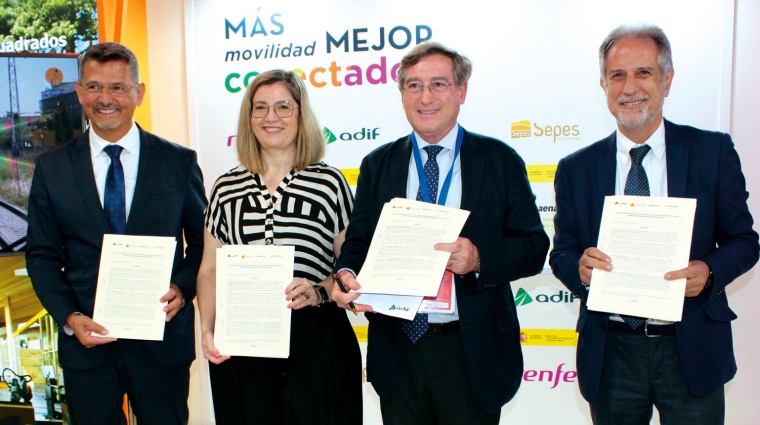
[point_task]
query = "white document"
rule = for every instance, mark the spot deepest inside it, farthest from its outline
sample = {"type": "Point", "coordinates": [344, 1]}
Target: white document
{"type": "Point", "coordinates": [645, 237]}
{"type": "Point", "coordinates": [135, 272]}
{"type": "Point", "coordinates": [401, 306]}
{"type": "Point", "coordinates": [401, 259]}
{"type": "Point", "coordinates": [406, 306]}
{"type": "Point", "coordinates": [252, 315]}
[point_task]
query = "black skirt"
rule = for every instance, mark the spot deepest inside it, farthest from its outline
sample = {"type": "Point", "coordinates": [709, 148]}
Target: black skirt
{"type": "Point", "coordinates": [319, 383]}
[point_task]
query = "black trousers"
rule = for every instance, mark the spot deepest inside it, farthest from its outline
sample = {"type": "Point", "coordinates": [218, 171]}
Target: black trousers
{"type": "Point", "coordinates": [431, 385]}
{"type": "Point", "coordinates": [158, 394]}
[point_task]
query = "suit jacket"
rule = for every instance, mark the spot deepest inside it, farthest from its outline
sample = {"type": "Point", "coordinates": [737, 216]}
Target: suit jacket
{"type": "Point", "coordinates": [504, 225]}
{"type": "Point", "coordinates": [702, 165]}
{"type": "Point", "coordinates": [67, 224]}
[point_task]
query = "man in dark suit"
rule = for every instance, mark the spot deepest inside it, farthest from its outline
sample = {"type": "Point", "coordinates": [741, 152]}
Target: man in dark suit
{"type": "Point", "coordinates": [151, 187]}
{"type": "Point", "coordinates": [626, 364]}
{"type": "Point", "coordinates": [462, 367]}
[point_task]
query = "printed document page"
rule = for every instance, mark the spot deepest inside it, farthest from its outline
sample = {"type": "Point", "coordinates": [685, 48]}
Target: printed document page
{"type": "Point", "coordinates": [645, 237]}
{"type": "Point", "coordinates": [252, 317]}
{"type": "Point", "coordinates": [401, 259]}
{"type": "Point", "coordinates": [135, 272]}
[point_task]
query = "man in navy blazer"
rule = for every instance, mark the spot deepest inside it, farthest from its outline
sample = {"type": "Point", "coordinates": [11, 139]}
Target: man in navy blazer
{"type": "Point", "coordinates": [67, 222]}
{"type": "Point", "coordinates": [465, 366]}
{"type": "Point", "coordinates": [624, 369]}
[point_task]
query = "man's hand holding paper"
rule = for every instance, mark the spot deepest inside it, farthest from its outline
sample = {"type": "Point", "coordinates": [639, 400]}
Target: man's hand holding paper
{"type": "Point", "coordinates": [641, 240]}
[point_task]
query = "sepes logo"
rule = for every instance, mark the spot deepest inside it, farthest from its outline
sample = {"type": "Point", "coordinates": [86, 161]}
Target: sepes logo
{"type": "Point", "coordinates": [520, 129]}
{"type": "Point", "coordinates": [522, 297]}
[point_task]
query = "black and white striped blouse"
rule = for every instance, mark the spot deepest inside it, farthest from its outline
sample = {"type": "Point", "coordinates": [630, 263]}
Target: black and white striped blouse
{"type": "Point", "coordinates": [309, 208]}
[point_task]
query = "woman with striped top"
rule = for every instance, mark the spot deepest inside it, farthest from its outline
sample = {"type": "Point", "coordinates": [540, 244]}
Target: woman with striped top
{"type": "Point", "coordinates": [282, 194]}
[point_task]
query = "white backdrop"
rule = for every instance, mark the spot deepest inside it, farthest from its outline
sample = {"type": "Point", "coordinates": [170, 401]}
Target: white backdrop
{"type": "Point", "coordinates": [534, 61]}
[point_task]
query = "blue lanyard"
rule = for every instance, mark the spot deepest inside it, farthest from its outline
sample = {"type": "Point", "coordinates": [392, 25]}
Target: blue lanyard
{"type": "Point", "coordinates": [444, 192]}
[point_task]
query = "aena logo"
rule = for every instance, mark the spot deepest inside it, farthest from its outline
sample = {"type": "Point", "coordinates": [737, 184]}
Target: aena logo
{"type": "Point", "coordinates": [522, 297]}
{"type": "Point", "coordinates": [393, 307]}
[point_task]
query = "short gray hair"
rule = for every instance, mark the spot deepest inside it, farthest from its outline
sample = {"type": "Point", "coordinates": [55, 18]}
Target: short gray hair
{"type": "Point", "coordinates": [461, 66]}
{"type": "Point", "coordinates": [641, 31]}
{"type": "Point", "coordinates": [108, 52]}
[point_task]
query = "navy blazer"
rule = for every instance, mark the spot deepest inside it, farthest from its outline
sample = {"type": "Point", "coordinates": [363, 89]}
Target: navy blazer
{"type": "Point", "coordinates": [702, 165]}
{"type": "Point", "coordinates": [67, 224]}
{"type": "Point", "coordinates": [504, 225]}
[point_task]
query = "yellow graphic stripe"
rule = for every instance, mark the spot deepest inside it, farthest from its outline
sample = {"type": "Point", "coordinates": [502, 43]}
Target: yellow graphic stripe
{"type": "Point", "coordinates": [361, 333]}
{"type": "Point", "coordinates": [546, 337]}
{"type": "Point", "coordinates": [549, 337]}
{"type": "Point", "coordinates": [541, 173]}
{"type": "Point", "coordinates": [536, 173]}
{"type": "Point", "coordinates": [352, 175]}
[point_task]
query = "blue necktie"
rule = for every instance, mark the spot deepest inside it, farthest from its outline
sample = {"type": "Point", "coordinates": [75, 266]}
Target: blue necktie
{"type": "Point", "coordinates": [637, 184]}
{"type": "Point", "coordinates": [114, 203]}
{"type": "Point", "coordinates": [417, 327]}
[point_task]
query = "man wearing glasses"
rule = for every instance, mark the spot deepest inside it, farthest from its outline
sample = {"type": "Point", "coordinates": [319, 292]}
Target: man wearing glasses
{"type": "Point", "coordinates": [462, 367]}
{"type": "Point", "coordinates": [115, 178]}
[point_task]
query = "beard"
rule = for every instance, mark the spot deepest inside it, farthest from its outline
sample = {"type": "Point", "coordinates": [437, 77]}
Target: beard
{"type": "Point", "coordinates": [634, 120]}
{"type": "Point", "coordinates": [107, 124]}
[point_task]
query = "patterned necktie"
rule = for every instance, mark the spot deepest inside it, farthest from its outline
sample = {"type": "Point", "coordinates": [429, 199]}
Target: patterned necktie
{"type": "Point", "coordinates": [417, 327]}
{"type": "Point", "coordinates": [637, 184]}
{"type": "Point", "coordinates": [114, 203]}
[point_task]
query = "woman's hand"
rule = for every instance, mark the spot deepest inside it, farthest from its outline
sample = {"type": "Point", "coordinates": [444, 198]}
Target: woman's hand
{"type": "Point", "coordinates": [209, 350]}
{"type": "Point", "coordinates": [301, 293]}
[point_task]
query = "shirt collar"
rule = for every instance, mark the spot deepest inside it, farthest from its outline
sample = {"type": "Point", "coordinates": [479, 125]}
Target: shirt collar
{"type": "Point", "coordinates": [130, 142]}
{"type": "Point", "coordinates": [448, 142]}
{"type": "Point", "coordinates": [656, 141]}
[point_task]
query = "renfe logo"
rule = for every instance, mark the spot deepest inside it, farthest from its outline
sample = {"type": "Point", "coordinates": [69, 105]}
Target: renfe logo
{"type": "Point", "coordinates": [552, 377]}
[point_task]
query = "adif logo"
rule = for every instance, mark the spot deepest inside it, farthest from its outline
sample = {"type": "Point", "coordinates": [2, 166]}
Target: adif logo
{"type": "Point", "coordinates": [329, 136]}
{"type": "Point", "coordinates": [520, 129]}
{"type": "Point", "coordinates": [363, 134]}
{"type": "Point", "coordinates": [522, 297]}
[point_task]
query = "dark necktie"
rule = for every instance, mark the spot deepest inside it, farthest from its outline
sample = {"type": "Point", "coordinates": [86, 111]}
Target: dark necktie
{"type": "Point", "coordinates": [637, 184]}
{"type": "Point", "coordinates": [417, 327]}
{"type": "Point", "coordinates": [114, 202]}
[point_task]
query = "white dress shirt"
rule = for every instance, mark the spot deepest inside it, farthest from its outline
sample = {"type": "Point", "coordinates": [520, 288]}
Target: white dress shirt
{"type": "Point", "coordinates": [129, 159]}
{"type": "Point", "coordinates": [454, 198]}
{"type": "Point", "coordinates": [654, 164]}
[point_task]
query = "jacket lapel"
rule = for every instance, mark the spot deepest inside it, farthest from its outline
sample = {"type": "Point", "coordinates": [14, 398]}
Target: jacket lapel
{"type": "Point", "coordinates": [473, 164]}
{"type": "Point", "coordinates": [399, 168]}
{"type": "Point", "coordinates": [677, 159]}
{"type": "Point", "coordinates": [606, 167]}
{"type": "Point", "coordinates": [85, 180]}
{"type": "Point", "coordinates": [146, 171]}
